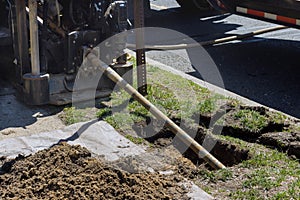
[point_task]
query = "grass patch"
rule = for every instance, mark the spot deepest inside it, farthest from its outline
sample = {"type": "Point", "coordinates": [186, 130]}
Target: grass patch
{"type": "Point", "coordinates": [277, 117]}
{"type": "Point", "coordinates": [120, 121]}
{"type": "Point", "coordinates": [251, 120]}
{"type": "Point", "coordinates": [210, 104]}
{"type": "Point", "coordinates": [271, 172]}
{"type": "Point", "coordinates": [219, 175]}
{"type": "Point", "coordinates": [135, 140]}
{"type": "Point", "coordinates": [103, 112]}
{"type": "Point", "coordinates": [268, 174]}
{"type": "Point", "coordinates": [71, 115]}
{"type": "Point", "coordinates": [122, 105]}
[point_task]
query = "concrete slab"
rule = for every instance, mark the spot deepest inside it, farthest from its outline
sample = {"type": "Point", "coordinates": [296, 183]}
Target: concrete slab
{"type": "Point", "coordinates": [18, 119]}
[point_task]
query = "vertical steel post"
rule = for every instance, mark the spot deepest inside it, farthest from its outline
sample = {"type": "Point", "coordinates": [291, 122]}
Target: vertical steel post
{"type": "Point", "coordinates": [140, 52]}
{"type": "Point", "coordinates": [34, 38]}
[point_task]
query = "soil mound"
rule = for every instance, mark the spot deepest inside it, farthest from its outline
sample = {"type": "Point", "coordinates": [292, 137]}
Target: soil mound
{"type": "Point", "coordinates": [69, 172]}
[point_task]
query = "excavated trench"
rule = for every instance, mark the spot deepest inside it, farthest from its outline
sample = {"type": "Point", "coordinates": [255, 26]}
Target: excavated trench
{"type": "Point", "coordinates": [227, 153]}
{"type": "Point", "coordinates": [272, 132]}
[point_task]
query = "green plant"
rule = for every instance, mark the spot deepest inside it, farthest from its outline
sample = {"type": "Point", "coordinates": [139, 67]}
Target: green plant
{"type": "Point", "coordinates": [119, 120]}
{"type": "Point", "coordinates": [218, 175]}
{"type": "Point", "coordinates": [260, 178]}
{"type": "Point", "coordinates": [277, 117]}
{"type": "Point", "coordinates": [135, 140]}
{"type": "Point", "coordinates": [102, 112]}
{"type": "Point", "coordinates": [251, 120]}
{"type": "Point", "coordinates": [207, 106]}
{"type": "Point", "coordinates": [71, 115]}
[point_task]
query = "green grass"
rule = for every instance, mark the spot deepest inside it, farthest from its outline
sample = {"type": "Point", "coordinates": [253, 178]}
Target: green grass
{"type": "Point", "coordinates": [277, 117]}
{"type": "Point", "coordinates": [251, 120]}
{"type": "Point", "coordinates": [126, 111]}
{"type": "Point", "coordinates": [161, 96]}
{"type": "Point", "coordinates": [270, 170]}
{"type": "Point", "coordinates": [72, 115]}
{"type": "Point", "coordinates": [103, 112]}
{"type": "Point", "coordinates": [120, 121]}
{"type": "Point", "coordinates": [218, 175]}
{"type": "Point", "coordinates": [209, 105]}
{"type": "Point", "coordinates": [261, 178]}
{"type": "Point", "coordinates": [267, 172]}
{"type": "Point", "coordinates": [135, 140]}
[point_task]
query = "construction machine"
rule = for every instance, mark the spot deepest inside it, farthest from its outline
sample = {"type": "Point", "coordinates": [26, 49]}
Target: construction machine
{"type": "Point", "coordinates": [49, 39]}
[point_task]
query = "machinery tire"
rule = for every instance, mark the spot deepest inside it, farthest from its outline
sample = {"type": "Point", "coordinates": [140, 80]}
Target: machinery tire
{"type": "Point", "coordinates": [194, 4]}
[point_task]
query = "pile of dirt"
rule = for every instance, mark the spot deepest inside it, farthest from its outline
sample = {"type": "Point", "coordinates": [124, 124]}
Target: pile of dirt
{"type": "Point", "coordinates": [66, 171]}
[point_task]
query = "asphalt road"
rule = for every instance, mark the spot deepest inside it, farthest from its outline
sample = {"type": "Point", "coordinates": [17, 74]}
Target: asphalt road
{"type": "Point", "coordinates": [264, 68]}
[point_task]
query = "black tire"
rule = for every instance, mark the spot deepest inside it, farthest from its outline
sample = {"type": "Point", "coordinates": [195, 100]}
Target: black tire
{"type": "Point", "coordinates": [194, 4]}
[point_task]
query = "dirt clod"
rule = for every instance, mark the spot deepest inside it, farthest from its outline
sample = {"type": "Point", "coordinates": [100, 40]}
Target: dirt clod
{"type": "Point", "coordinates": [294, 149]}
{"type": "Point", "coordinates": [69, 172]}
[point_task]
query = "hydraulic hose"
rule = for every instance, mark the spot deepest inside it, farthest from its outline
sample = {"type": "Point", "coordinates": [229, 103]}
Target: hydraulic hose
{"type": "Point", "coordinates": [210, 42]}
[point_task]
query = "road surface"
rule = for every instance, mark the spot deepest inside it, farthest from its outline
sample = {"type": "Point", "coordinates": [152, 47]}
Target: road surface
{"type": "Point", "coordinates": [264, 68]}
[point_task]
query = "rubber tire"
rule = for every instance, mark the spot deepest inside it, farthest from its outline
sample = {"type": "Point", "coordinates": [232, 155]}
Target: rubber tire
{"type": "Point", "coordinates": [194, 4]}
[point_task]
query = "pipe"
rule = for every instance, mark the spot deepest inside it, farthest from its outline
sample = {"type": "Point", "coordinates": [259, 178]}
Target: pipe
{"type": "Point", "coordinates": [34, 38]}
{"type": "Point", "coordinates": [114, 76]}
{"type": "Point", "coordinates": [210, 42]}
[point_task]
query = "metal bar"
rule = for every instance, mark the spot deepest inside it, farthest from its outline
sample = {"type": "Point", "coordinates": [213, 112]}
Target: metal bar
{"type": "Point", "coordinates": [114, 76]}
{"type": "Point", "coordinates": [140, 50]}
{"type": "Point", "coordinates": [22, 38]}
{"type": "Point", "coordinates": [34, 38]}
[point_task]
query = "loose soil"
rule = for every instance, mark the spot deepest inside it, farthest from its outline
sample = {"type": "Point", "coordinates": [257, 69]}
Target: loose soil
{"type": "Point", "coordinates": [65, 171]}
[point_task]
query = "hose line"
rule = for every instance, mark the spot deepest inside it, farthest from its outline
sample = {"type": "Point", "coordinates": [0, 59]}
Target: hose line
{"type": "Point", "coordinates": [210, 42]}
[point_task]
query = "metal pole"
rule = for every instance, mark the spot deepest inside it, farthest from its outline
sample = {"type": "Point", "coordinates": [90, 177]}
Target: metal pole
{"type": "Point", "coordinates": [140, 50]}
{"type": "Point", "coordinates": [114, 76]}
{"type": "Point", "coordinates": [34, 38]}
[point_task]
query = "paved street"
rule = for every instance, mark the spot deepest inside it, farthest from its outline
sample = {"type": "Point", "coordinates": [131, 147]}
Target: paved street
{"type": "Point", "coordinates": [264, 68]}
